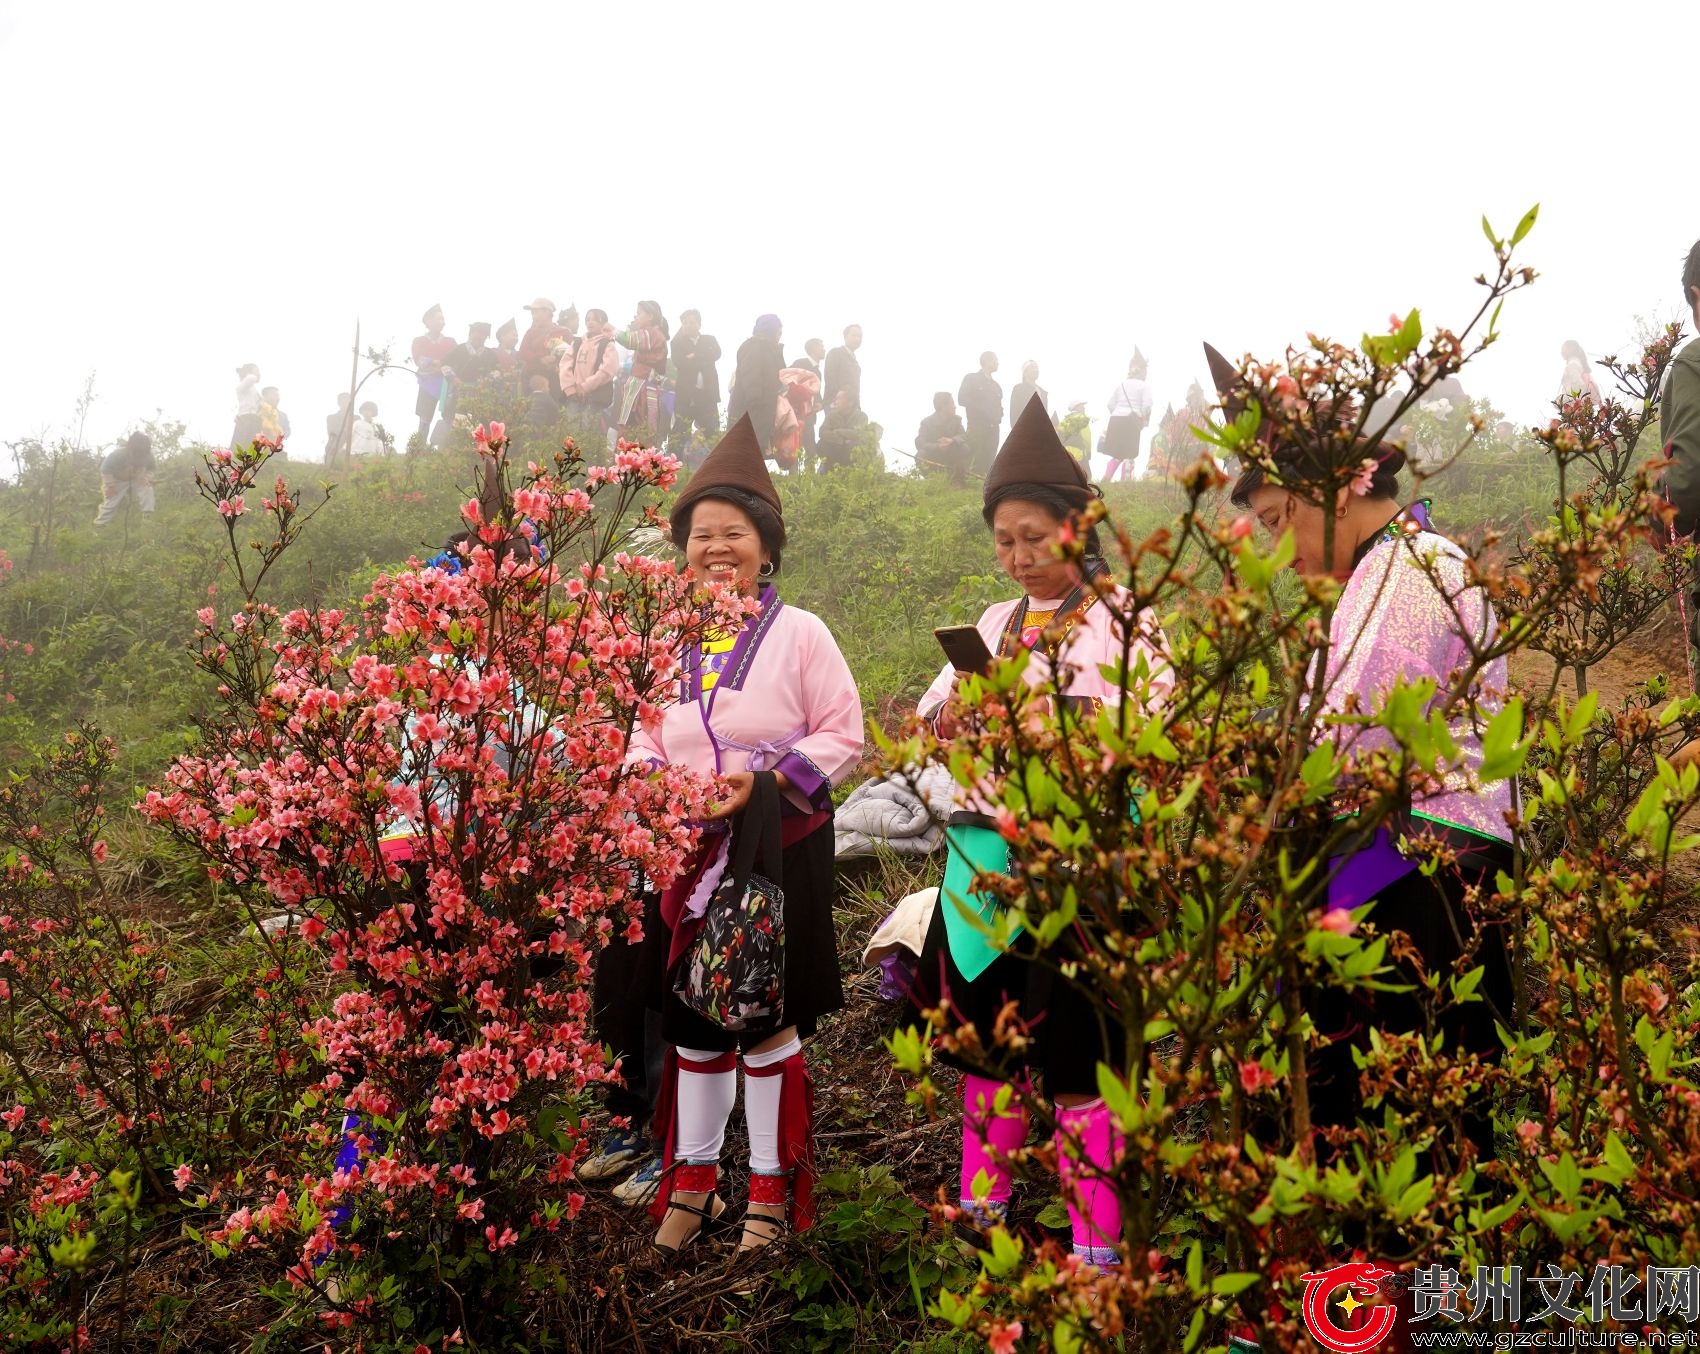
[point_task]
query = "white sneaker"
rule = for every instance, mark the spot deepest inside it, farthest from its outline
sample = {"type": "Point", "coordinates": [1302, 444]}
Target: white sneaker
{"type": "Point", "coordinates": [619, 1151]}
{"type": "Point", "coordinates": [642, 1186]}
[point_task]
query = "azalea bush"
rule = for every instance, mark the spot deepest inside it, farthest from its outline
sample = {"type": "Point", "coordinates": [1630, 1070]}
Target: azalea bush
{"type": "Point", "coordinates": [140, 1064]}
{"type": "Point", "coordinates": [1174, 865]}
{"type": "Point", "coordinates": [479, 705]}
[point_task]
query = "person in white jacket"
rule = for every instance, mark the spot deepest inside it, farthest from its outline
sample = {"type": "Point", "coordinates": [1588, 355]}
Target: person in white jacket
{"type": "Point", "coordinates": [247, 405]}
{"type": "Point", "coordinates": [366, 439]}
{"type": "Point", "coordinates": [1130, 410]}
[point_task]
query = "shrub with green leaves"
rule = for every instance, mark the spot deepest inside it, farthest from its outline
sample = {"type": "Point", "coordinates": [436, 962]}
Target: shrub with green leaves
{"type": "Point", "coordinates": [1182, 855]}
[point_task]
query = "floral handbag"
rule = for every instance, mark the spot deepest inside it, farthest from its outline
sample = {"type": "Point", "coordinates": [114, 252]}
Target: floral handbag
{"type": "Point", "coordinates": [734, 972]}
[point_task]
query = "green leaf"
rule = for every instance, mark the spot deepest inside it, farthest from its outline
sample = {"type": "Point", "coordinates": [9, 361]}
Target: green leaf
{"type": "Point", "coordinates": [1658, 1057]}
{"type": "Point", "coordinates": [1618, 1166]}
{"type": "Point", "coordinates": [1566, 1225]}
{"type": "Point", "coordinates": [1464, 989]}
{"type": "Point", "coordinates": [1119, 1098]}
{"type": "Point", "coordinates": [1004, 1255]}
{"type": "Point", "coordinates": [1319, 773]}
{"type": "Point", "coordinates": [1581, 717]}
{"type": "Point", "coordinates": [1226, 1285]}
{"type": "Point", "coordinates": [1153, 742]}
{"type": "Point", "coordinates": [1053, 1216]}
{"type": "Point", "coordinates": [1415, 1196]}
{"type": "Point", "coordinates": [957, 1311]}
{"type": "Point", "coordinates": [1411, 333]}
{"type": "Point", "coordinates": [1487, 230]}
{"type": "Point", "coordinates": [1194, 1332]}
{"type": "Point", "coordinates": [1503, 754]}
{"type": "Point", "coordinates": [1526, 224]}
{"type": "Point", "coordinates": [908, 1050]}
{"type": "Point", "coordinates": [915, 1285]}
{"type": "Point", "coordinates": [1564, 1175]}
{"type": "Point", "coordinates": [1495, 1218]}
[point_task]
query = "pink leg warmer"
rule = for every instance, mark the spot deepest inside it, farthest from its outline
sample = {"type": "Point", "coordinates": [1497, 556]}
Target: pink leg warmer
{"type": "Point", "coordinates": [983, 1128]}
{"type": "Point", "coordinates": [1088, 1146]}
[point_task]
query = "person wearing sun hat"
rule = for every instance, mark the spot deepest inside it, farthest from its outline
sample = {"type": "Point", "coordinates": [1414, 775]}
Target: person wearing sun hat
{"type": "Point", "coordinates": [1070, 617]}
{"type": "Point", "coordinates": [775, 697]}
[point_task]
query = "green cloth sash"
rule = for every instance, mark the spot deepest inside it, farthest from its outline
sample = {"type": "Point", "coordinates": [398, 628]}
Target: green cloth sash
{"type": "Point", "coordinates": [973, 850]}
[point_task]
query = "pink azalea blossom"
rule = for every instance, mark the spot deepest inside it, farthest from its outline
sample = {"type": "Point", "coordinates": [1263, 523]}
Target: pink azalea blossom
{"type": "Point", "coordinates": [1338, 920]}
{"type": "Point", "coordinates": [1001, 1338]}
{"type": "Point", "coordinates": [376, 726]}
{"type": "Point", "coordinates": [1255, 1077]}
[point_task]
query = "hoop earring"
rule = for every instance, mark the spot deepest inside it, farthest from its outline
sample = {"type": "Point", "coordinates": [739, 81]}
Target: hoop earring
{"type": "Point", "coordinates": [766, 570]}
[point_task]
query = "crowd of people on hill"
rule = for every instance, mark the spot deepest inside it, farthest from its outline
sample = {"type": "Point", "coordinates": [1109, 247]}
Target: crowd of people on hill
{"type": "Point", "coordinates": [647, 383]}
{"type": "Point", "coordinates": [644, 382]}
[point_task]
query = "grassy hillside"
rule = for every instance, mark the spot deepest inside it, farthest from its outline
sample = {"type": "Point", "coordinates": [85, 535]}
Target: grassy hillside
{"type": "Point", "coordinates": [109, 614]}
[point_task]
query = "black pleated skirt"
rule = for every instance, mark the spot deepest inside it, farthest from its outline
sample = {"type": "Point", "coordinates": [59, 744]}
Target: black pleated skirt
{"type": "Point", "coordinates": [1069, 1036]}
{"type": "Point", "coordinates": [814, 986]}
{"type": "Point", "coordinates": [1432, 912]}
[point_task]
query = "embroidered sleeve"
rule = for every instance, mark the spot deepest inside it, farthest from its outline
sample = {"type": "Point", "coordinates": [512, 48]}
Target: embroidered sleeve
{"type": "Point", "coordinates": [806, 779]}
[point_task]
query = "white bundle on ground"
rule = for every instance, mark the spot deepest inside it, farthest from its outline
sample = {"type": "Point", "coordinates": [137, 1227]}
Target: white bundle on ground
{"type": "Point", "coordinates": [902, 815]}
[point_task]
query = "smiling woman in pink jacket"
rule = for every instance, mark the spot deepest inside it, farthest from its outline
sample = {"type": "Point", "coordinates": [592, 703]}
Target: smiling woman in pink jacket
{"type": "Point", "coordinates": [774, 698]}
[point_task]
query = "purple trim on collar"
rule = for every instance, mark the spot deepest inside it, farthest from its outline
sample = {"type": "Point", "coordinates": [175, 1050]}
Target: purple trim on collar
{"type": "Point", "coordinates": [737, 665]}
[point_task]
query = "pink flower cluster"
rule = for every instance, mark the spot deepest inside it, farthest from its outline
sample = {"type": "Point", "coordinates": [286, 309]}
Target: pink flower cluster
{"type": "Point", "coordinates": [438, 780]}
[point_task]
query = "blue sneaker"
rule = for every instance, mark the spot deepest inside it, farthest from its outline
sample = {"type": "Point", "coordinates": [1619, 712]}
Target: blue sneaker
{"type": "Point", "coordinates": [640, 1188]}
{"type": "Point", "coordinates": [619, 1150]}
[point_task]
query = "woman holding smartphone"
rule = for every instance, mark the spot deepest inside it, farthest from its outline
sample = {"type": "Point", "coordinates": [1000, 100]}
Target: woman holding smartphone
{"type": "Point", "coordinates": [1072, 624]}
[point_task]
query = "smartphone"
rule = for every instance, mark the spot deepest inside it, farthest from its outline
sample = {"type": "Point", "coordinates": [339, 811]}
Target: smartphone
{"type": "Point", "coordinates": [965, 647]}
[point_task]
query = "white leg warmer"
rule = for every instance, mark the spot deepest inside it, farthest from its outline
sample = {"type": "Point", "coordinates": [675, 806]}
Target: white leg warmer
{"type": "Point", "coordinates": [761, 1106]}
{"type": "Point", "coordinates": [704, 1105]}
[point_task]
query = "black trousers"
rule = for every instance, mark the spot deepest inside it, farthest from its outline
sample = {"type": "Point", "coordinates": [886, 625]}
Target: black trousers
{"type": "Point", "coordinates": [630, 1030]}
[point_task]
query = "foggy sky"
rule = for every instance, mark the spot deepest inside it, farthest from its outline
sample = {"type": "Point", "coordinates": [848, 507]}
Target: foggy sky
{"type": "Point", "coordinates": [193, 187]}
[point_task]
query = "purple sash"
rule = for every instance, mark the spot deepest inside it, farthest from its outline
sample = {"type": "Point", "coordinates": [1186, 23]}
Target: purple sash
{"type": "Point", "coordinates": [1356, 878]}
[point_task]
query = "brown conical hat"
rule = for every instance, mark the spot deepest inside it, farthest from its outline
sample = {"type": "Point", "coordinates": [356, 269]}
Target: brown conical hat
{"type": "Point", "coordinates": [1227, 378]}
{"type": "Point", "coordinates": [1034, 454]}
{"type": "Point", "coordinates": [735, 463]}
